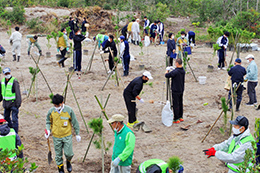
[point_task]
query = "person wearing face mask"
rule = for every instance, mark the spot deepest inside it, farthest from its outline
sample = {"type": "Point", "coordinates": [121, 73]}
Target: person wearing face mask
{"type": "Point", "coordinates": [110, 44]}
{"type": "Point", "coordinates": [77, 53]}
{"type": "Point", "coordinates": [232, 151]}
{"type": "Point", "coordinates": [11, 97]}
{"type": "Point", "coordinates": [59, 121]}
{"type": "Point", "coordinates": [124, 145]}
{"type": "Point", "coordinates": [63, 47]}
{"type": "Point", "coordinates": [237, 74]}
{"type": "Point", "coordinates": [171, 48]}
{"type": "Point", "coordinates": [181, 42]}
{"type": "Point", "coordinates": [223, 43]}
{"type": "Point", "coordinates": [251, 77]}
{"type": "Point", "coordinates": [131, 92]}
{"type": "Point", "coordinates": [177, 86]}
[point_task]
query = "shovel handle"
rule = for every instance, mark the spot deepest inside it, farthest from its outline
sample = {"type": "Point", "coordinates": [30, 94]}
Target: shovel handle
{"type": "Point", "coordinates": [48, 142]}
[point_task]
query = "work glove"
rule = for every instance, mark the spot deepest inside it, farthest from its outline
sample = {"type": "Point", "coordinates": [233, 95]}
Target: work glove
{"type": "Point", "coordinates": [78, 138]}
{"type": "Point", "coordinates": [234, 85]}
{"type": "Point", "coordinates": [47, 133]}
{"type": "Point", "coordinates": [225, 46]}
{"type": "Point", "coordinates": [160, 33]}
{"type": "Point", "coordinates": [116, 162]}
{"type": "Point", "coordinates": [58, 50]}
{"type": "Point", "coordinates": [210, 152]}
{"type": "Point", "coordinates": [101, 52]}
{"type": "Point", "coordinates": [67, 48]}
{"type": "Point", "coordinates": [141, 100]}
{"type": "Point", "coordinates": [169, 68]}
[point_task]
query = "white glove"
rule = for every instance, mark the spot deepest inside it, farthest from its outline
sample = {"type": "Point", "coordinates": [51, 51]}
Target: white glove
{"type": "Point", "coordinates": [78, 138]}
{"type": "Point", "coordinates": [168, 68]}
{"type": "Point", "coordinates": [234, 85]}
{"type": "Point", "coordinates": [225, 46]}
{"type": "Point", "coordinates": [48, 134]}
{"type": "Point", "coordinates": [116, 162]}
{"type": "Point", "coordinates": [141, 100]}
{"type": "Point", "coordinates": [101, 52]}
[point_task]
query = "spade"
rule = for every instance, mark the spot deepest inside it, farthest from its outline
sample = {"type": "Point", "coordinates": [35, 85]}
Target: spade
{"type": "Point", "coordinates": [49, 153]}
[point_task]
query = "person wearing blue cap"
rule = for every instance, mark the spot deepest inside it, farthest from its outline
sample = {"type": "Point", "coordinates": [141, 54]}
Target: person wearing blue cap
{"type": "Point", "coordinates": [237, 74]}
{"type": "Point", "coordinates": [124, 54]}
{"type": "Point", "coordinates": [233, 150]}
{"type": "Point", "coordinates": [11, 97]}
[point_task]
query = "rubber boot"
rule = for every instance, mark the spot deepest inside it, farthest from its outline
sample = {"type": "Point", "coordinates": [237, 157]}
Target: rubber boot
{"type": "Point", "coordinates": [14, 57]}
{"type": "Point", "coordinates": [237, 107]}
{"type": "Point", "coordinates": [125, 73]}
{"type": "Point", "coordinates": [61, 168]}
{"type": "Point", "coordinates": [40, 52]}
{"type": "Point", "coordinates": [69, 167]}
{"type": "Point", "coordinates": [18, 58]}
{"type": "Point", "coordinates": [133, 41]}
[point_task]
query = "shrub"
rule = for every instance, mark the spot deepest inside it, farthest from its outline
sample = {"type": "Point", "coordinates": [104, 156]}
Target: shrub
{"type": "Point", "coordinates": [64, 3]}
{"type": "Point", "coordinates": [15, 16]}
{"type": "Point", "coordinates": [107, 6]}
{"type": "Point", "coordinates": [35, 25]}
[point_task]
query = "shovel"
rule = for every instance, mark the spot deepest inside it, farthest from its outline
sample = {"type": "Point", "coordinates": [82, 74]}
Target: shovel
{"type": "Point", "coordinates": [49, 153]}
{"type": "Point", "coordinates": [188, 126]}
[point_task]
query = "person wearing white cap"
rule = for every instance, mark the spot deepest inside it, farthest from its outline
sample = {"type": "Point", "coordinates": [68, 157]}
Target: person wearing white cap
{"type": "Point", "coordinates": [124, 145]}
{"type": "Point", "coordinates": [131, 92]}
{"type": "Point", "coordinates": [251, 77]}
{"type": "Point", "coordinates": [178, 77]}
{"type": "Point", "coordinates": [9, 139]}
{"type": "Point", "coordinates": [11, 97]}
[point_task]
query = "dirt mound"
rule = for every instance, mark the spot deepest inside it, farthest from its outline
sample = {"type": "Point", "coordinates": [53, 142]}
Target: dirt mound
{"type": "Point", "coordinates": [96, 17]}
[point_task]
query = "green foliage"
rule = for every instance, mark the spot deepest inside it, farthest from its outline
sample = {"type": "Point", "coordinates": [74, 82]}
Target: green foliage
{"type": "Point", "coordinates": [225, 109]}
{"type": "Point", "coordinates": [64, 3]}
{"type": "Point", "coordinates": [96, 124]}
{"type": "Point", "coordinates": [9, 31]}
{"type": "Point", "coordinates": [106, 6]}
{"type": "Point", "coordinates": [35, 25]}
{"type": "Point", "coordinates": [15, 16]}
{"type": "Point", "coordinates": [33, 72]}
{"type": "Point", "coordinates": [51, 96]}
{"type": "Point", "coordinates": [159, 11]}
{"type": "Point", "coordinates": [229, 67]}
{"type": "Point", "coordinates": [185, 60]}
{"type": "Point", "coordinates": [174, 163]}
{"type": "Point", "coordinates": [141, 46]}
{"type": "Point", "coordinates": [48, 37]}
{"type": "Point", "coordinates": [16, 165]}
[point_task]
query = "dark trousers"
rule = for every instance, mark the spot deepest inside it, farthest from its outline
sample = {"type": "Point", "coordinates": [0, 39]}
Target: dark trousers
{"type": "Point", "coordinates": [239, 96]}
{"type": "Point", "coordinates": [126, 62]}
{"type": "Point", "coordinates": [170, 61]}
{"type": "Point", "coordinates": [258, 153]}
{"type": "Point", "coordinates": [14, 122]}
{"type": "Point", "coordinates": [63, 53]}
{"type": "Point", "coordinates": [251, 92]}
{"type": "Point", "coordinates": [161, 36]}
{"type": "Point", "coordinates": [221, 58]}
{"type": "Point", "coordinates": [191, 37]}
{"type": "Point", "coordinates": [177, 101]}
{"type": "Point", "coordinates": [77, 57]}
{"type": "Point", "coordinates": [131, 107]}
{"type": "Point", "coordinates": [110, 62]}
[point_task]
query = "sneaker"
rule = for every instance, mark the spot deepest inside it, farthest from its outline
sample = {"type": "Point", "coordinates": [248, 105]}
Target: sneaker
{"type": "Point", "coordinates": [249, 104]}
{"type": "Point", "coordinates": [109, 71]}
{"type": "Point", "coordinates": [130, 124]}
{"type": "Point", "coordinates": [237, 110]}
{"type": "Point", "coordinates": [176, 121]}
{"type": "Point", "coordinates": [181, 119]}
{"type": "Point", "coordinates": [219, 68]}
{"type": "Point", "coordinates": [224, 68]}
{"type": "Point", "coordinates": [136, 122]}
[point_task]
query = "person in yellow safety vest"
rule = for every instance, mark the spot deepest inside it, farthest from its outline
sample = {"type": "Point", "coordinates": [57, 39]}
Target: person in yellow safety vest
{"type": "Point", "coordinates": [232, 151]}
{"type": "Point", "coordinates": [129, 30]}
{"type": "Point", "coordinates": [11, 97]}
{"type": "Point", "coordinates": [9, 139]}
{"type": "Point", "coordinates": [63, 47]}
{"type": "Point", "coordinates": [181, 42]}
{"type": "Point", "coordinates": [156, 166]}
{"type": "Point", "coordinates": [33, 39]}
{"type": "Point", "coordinates": [60, 120]}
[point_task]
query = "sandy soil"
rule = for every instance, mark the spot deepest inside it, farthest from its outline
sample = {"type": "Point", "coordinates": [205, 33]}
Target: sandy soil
{"type": "Point", "coordinates": [162, 142]}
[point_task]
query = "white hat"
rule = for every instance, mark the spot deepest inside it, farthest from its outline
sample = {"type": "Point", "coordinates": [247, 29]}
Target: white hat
{"type": "Point", "coordinates": [6, 70]}
{"type": "Point", "coordinates": [148, 74]}
{"type": "Point", "coordinates": [249, 56]}
{"type": "Point", "coordinates": [116, 117]}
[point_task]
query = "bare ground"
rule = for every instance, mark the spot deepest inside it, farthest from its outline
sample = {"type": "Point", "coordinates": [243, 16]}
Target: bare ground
{"type": "Point", "coordinates": [162, 142]}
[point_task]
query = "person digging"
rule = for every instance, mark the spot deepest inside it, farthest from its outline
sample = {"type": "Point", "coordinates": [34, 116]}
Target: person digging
{"type": "Point", "coordinates": [33, 39]}
{"type": "Point", "coordinates": [233, 150]}
{"type": "Point", "coordinates": [124, 145]}
{"type": "Point", "coordinates": [131, 92]}
{"type": "Point", "coordinates": [59, 121]}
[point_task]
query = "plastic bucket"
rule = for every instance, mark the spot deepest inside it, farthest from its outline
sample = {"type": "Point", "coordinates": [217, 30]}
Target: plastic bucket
{"type": "Point", "coordinates": [202, 79]}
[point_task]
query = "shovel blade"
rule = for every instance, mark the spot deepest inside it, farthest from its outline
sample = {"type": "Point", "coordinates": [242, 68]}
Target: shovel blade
{"type": "Point", "coordinates": [49, 158]}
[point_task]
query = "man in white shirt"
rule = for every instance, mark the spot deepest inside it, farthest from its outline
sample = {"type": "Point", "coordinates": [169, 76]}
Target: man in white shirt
{"type": "Point", "coordinates": [136, 32]}
{"type": "Point", "coordinates": [15, 41]}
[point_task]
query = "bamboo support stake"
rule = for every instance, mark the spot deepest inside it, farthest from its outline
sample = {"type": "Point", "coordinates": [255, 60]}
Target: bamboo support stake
{"type": "Point", "coordinates": [192, 71]}
{"type": "Point", "coordinates": [78, 106]}
{"type": "Point", "coordinates": [109, 77]}
{"type": "Point", "coordinates": [116, 71]}
{"type": "Point", "coordinates": [35, 73]}
{"type": "Point", "coordinates": [102, 152]}
{"type": "Point", "coordinates": [91, 59]}
{"type": "Point", "coordinates": [103, 111]}
{"type": "Point", "coordinates": [103, 61]}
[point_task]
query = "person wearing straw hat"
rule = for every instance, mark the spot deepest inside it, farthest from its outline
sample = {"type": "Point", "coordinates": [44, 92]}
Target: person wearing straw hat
{"type": "Point", "coordinates": [124, 145]}
{"type": "Point", "coordinates": [131, 92]}
{"type": "Point", "coordinates": [251, 78]}
{"type": "Point", "coordinates": [11, 97]}
{"type": "Point", "coordinates": [59, 121]}
{"type": "Point", "coordinates": [233, 150]}
{"type": "Point", "coordinates": [9, 139]}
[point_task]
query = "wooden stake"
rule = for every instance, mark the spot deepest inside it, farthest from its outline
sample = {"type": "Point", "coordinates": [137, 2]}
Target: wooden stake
{"type": "Point", "coordinates": [109, 76]}
{"type": "Point", "coordinates": [192, 71]}
{"type": "Point", "coordinates": [91, 59]}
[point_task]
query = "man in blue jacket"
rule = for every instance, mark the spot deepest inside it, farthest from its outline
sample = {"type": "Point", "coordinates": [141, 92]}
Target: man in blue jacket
{"type": "Point", "coordinates": [237, 77]}
{"type": "Point", "coordinates": [153, 31]}
{"type": "Point", "coordinates": [191, 37]}
{"type": "Point", "coordinates": [251, 77]}
{"type": "Point", "coordinates": [124, 54]}
{"type": "Point", "coordinates": [223, 43]}
{"type": "Point", "coordinates": [171, 48]}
